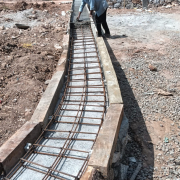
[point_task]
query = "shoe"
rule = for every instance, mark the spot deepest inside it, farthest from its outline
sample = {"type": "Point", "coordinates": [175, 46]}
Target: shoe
{"type": "Point", "coordinates": [107, 35]}
{"type": "Point", "coordinates": [99, 35]}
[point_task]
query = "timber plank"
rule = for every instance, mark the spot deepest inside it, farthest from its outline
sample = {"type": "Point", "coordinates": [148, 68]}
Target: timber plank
{"type": "Point", "coordinates": [101, 157]}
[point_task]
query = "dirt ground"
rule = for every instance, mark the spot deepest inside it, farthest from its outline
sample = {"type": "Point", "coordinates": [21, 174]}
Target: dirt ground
{"type": "Point", "coordinates": [144, 48]}
{"type": "Point", "coordinates": [28, 58]}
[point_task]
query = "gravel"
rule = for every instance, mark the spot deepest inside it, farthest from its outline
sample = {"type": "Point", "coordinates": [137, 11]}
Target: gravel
{"type": "Point", "coordinates": [153, 117]}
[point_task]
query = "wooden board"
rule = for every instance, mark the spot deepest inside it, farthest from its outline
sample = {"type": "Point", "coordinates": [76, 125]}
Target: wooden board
{"type": "Point", "coordinates": [101, 157]}
{"type": "Point", "coordinates": [88, 175]}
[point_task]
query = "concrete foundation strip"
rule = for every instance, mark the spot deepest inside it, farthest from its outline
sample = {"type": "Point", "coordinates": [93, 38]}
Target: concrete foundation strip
{"type": "Point", "coordinates": [104, 147]}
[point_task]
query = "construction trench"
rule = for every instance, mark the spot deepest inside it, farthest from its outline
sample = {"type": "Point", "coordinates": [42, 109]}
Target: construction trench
{"type": "Point", "coordinates": [64, 147]}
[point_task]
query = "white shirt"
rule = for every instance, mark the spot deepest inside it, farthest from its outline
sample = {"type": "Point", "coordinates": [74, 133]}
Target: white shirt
{"type": "Point", "coordinates": [96, 5]}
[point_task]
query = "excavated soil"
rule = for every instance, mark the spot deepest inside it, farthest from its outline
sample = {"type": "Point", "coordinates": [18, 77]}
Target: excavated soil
{"type": "Point", "coordinates": [28, 58]}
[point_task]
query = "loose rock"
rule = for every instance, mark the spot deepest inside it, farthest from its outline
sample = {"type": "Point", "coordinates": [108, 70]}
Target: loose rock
{"type": "Point", "coordinates": [47, 82]}
{"type": "Point", "coordinates": [152, 68]}
{"type": "Point", "coordinates": [164, 93]}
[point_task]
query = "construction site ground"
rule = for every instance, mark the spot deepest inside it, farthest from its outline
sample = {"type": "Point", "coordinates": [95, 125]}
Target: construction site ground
{"type": "Point", "coordinates": [28, 58]}
{"type": "Point", "coordinates": [144, 48]}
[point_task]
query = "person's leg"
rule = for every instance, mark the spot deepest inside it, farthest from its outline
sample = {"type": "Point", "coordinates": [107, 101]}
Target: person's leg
{"type": "Point", "coordinates": [104, 23]}
{"type": "Point", "coordinates": [98, 23]}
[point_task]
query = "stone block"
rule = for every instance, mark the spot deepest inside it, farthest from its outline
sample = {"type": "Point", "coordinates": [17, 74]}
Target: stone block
{"type": "Point", "coordinates": [155, 1]}
{"type": "Point", "coordinates": [168, 1]}
{"type": "Point", "coordinates": [66, 41]}
{"type": "Point", "coordinates": [162, 2]}
{"type": "Point", "coordinates": [129, 6]}
{"type": "Point", "coordinates": [117, 5]}
{"type": "Point", "coordinates": [136, 1]}
{"type": "Point", "coordinates": [123, 170]}
{"type": "Point", "coordinates": [110, 3]}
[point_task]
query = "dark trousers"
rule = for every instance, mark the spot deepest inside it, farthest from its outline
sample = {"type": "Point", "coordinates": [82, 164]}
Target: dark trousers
{"type": "Point", "coordinates": [102, 20]}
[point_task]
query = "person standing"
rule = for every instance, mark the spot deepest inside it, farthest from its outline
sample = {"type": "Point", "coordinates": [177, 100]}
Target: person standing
{"type": "Point", "coordinates": [100, 7]}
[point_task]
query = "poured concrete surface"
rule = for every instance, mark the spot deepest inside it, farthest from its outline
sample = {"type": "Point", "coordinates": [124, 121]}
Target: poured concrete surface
{"type": "Point", "coordinates": [83, 108]}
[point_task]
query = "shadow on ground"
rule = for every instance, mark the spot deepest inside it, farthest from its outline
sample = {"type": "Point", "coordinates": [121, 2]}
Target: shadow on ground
{"type": "Point", "coordinates": [118, 36]}
{"type": "Point", "coordinates": [140, 145]}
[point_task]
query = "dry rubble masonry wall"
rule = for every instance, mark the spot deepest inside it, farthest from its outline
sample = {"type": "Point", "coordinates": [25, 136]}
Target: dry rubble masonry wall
{"type": "Point", "coordinates": [131, 4]}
